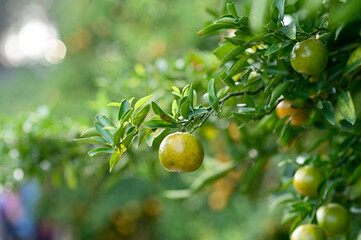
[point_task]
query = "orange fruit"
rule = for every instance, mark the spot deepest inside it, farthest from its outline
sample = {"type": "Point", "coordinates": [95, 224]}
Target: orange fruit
{"type": "Point", "coordinates": [181, 152]}
{"type": "Point", "coordinates": [309, 57]}
{"type": "Point", "coordinates": [308, 232]}
{"type": "Point", "coordinates": [297, 117]}
{"type": "Point", "coordinates": [334, 219]}
{"type": "Point", "coordinates": [306, 181]}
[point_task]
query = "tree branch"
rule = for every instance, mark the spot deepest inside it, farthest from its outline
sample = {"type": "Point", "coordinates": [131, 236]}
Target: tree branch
{"type": "Point", "coordinates": [228, 96]}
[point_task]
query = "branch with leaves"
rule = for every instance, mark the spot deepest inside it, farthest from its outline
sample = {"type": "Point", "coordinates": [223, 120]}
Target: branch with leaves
{"type": "Point", "coordinates": [254, 74]}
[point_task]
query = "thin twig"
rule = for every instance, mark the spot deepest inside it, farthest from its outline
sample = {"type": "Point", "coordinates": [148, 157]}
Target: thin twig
{"type": "Point", "coordinates": [221, 102]}
{"type": "Point", "coordinates": [274, 106]}
{"type": "Point", "coordinates": [235, 94]}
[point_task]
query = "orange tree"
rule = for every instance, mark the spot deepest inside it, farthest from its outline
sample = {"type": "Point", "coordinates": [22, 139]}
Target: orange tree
{"type": "Point", "coordinates": [285, 70]}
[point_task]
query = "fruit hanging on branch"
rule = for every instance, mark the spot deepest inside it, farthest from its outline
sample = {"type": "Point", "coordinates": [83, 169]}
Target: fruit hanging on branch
{"type": "Point", "coordinates": [297, 116]}
{"type": "Point", "coordinates": [259, 70]}
{"type": "Point", "coordinates": [334, 219]}
{"type": "Point", "coordinates": [181, 152]}
{"type": "Point", "coordinates": [306, 181]}
{"type": "Point", "coordinates": [309, 57]}
{"type": "Point", "coordinates": [308, 232]}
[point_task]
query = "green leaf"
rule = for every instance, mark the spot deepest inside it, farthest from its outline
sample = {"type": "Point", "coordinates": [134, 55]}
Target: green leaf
{"type": "Point", "coordinates": [141, 101]}
{"type": "Point", "coordinates": [104, 121]}
{"type": "Point", "coordinates": [185, 90]}
{"type": "Point", "coordinates": [185, 108]}
{"type": "Point", "coordinates": [289, 217]}
{"type": "Point", "coordinates": [90, 133]}
{"type": "Point", "coordinates": [212, 95]}
{"type": "Point", "coordinates": [114, 160]}
{"type": "Point", "coordinates": [198, 111]}
{"type": "Point", "coordinates": [129, 136]}
{"type": "Point", "coordinates": [290, 30]}
{"type": "Point", "coordinates": [302, 206]}
{"type": "Point", "coordinates": [215, 106]}
{"type": "Point", "coordinates": [131, 101]}
{"type": "Point", "coordinates": [141, 115]}
{"type": "Point", "coordinates": [119, 134]}
{"type": "Point", "coordinates": [162, 114]}
{"type": "Point", "coordinates": [354, 191]}
{"type": "Point", "coordinates": [300, 94]}
{"type": "Point", "coordinates": [346, 107]}
{"type": "Point", "coordinates": [244, 116]}
{"type": "Point", "coordinates": [278, 91]}
{"type": "Point", "coordinates": [331, 185]}
{"type": "Point", "coordinates": [285, 133]}
{"type": "Point", "coordinates": [258, 37]}
{"type": "Point", "coordinates": [356, 173]}
{"type": "Point", "coordinates": [124, 106]}
{"type": "Point", "coordinates": [175, 108]}
{"type": "Point", "coordinates": [275, 70]}
{"type": "Point", "coordinates": [222, 50]}
{"type": "Point", "coordinates": [126, 115]}
{"type": "Point", "coordinates": [236, 67]}
{"type": "Point", "coordinates": [282, 200]}
{"type": "Point", "coordinates": [231, 55]}
{"type": "Point", "coordinates": [285, 52]}
{"type": "Point", "coordinates": [190, 96]}
{"type": "Point", "coordinates": [227, 81]}
{"type": "Point", "coordinates": [234, 40]}
{"type": "Point", "coordinates": [159, 124]}
{"type": "Point", "coordinates": [215, 27]}
{"type": "Point", "coordinates": [280, 4]}
{"type": "Point", "coordinates": [231, 9]}
{"type": "Point", "coordinates": [354, 61]}
{"type": "Point", "coordinates": [91, 140]}
{"type": "Point", "coordinates": [105, 133]}
{"type": "Point", "coordinates": [101, 150]}
{"type": "Point", "coordinates": [113, 104]}
{"type": "Point", "coordinates": [338, 30]}
{"type": "Point", "coordinates": [329, 112]}
{"type": "Point", "coordinates": [195, 98]}
{"type": "Point", "coordinates": [152, 136]}
{"type": "Point", "coordinates": [142, 134]}
{"type": "Point", "coordinates": [249, 101]}
{"type": "Point", "coordinates": [176, 90]}
{"type": "Point", "coordinates": [273, 82]}
{"type": "Point", "coordinates": [109, 128]}
{"type": "Point", "coordinates": [293, 226]}
{"type": "Point", "coordinates": [276, 47]}
{"type": "Point", "coordinates": [225, 19]}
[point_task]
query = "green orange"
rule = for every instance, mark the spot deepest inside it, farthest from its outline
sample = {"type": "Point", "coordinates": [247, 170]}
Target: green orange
{"type": "Point", "coordinates": [309, 57]}
{"type": "Point", "coordinates": [308, 232]}
{"type": "Point", "coordinates": [334, 219]}
{"type": "Point", "coordinates": [181, 152]}
{"type": "Point", "coordinates": [306, 180]}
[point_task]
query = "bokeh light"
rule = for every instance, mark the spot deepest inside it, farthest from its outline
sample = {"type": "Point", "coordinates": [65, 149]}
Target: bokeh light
{"type": "Point", "coordinates": [31, 39]}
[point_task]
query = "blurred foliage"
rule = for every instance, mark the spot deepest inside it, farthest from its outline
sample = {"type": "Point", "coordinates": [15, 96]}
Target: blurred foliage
{"type": "Point", "coordinates": [103, 44]}
{"type": "Point", "coordinates": [254, 65]}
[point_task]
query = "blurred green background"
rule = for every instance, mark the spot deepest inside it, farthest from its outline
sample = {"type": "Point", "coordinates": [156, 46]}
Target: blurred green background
{"type": "Point", "coordinates": [103, 39]}
{"type": "Point", "coordinates": [50, 91]}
